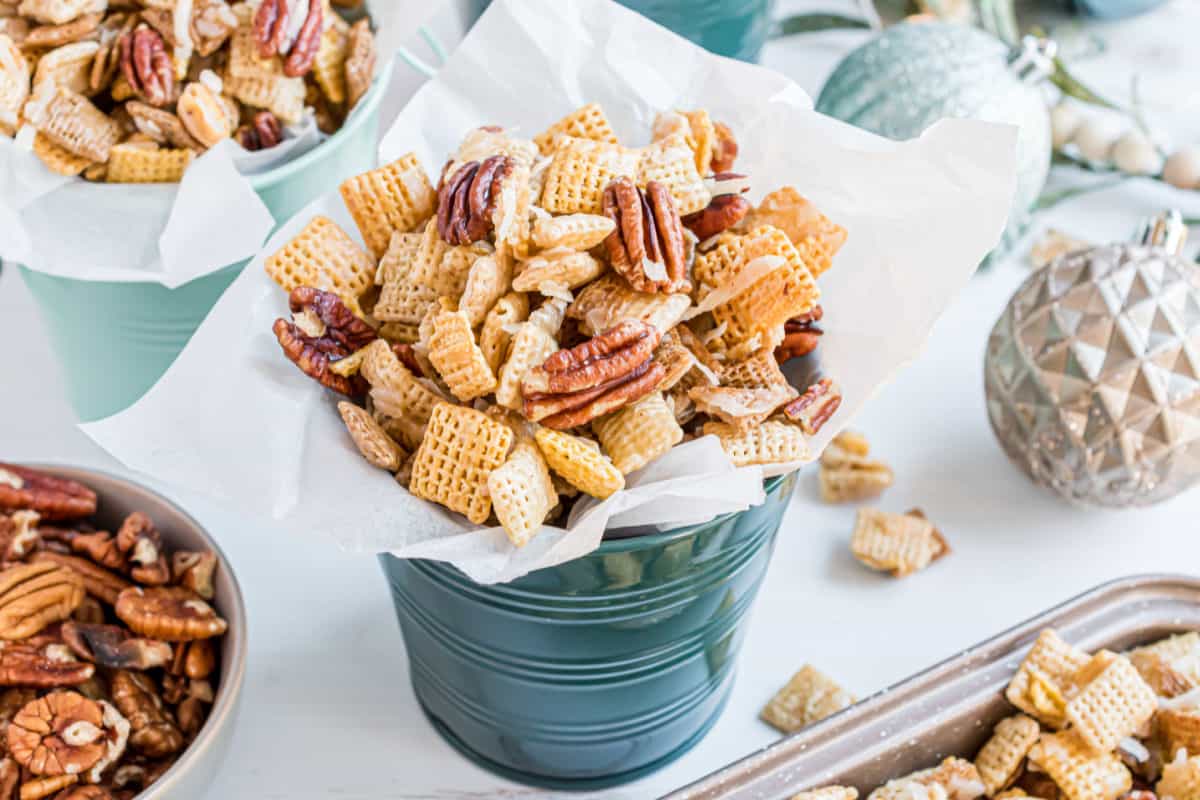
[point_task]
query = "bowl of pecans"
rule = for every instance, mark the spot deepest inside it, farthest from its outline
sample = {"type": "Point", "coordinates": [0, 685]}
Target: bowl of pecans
{"type": "Point", "coordinates": [123, 635]}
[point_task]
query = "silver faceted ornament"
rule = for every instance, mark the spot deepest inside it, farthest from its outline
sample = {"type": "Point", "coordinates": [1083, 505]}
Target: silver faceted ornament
{"type": "Point", "coordinates": [1092, 373]}
{"type": "Point", "coordinates": [916, 73]}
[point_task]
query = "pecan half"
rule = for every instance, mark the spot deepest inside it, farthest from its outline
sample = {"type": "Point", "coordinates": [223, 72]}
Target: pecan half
{"type": "Point", "coordinates": [800, 336]}
{"type": "Point", "coordinates": [113, 646]}
{"type": "Point", "coordinates": [194, 570]}
{"type": "Point", "coordinates": [195, 660]}
{"type": "Point", "coordinates": [815, 406]}
{"type": "Point", "coordinates": [722, 213]}
{"type": "Point", "coordinates": [152, 732]}
{"type": "Point", "coordinates": [270, 28]}
{"type": "Point", "coordinates": [647, 247]}
{"type": "Point", "coordinates": [147, 66]}
{"type": "Point", "coordinates": [264, 133]}
{"type": "Point", "coordinates": [97, 581]}
{"type": "Point", "coordinates": [33, 596]}
{"type": "Point", "coordinates": [24, 665]}
{"type": "Point", "coordinates": [59, 734]}
{"type": "Point", "coordinates": [140, 542]}
{"type": "Point", "coordinates": [170, 613]}
{"type": "Point", "coordinates": [573, 387]}
{"type": "Point", "coordinates": [725, 150]}
{"type": "Point", "coordinates": [308, 41]}
{"type": "Point", "coordinates": [39, 788]}
{"type": "Point", "coordinates": [331, 331]}
{"type": "Point", "coordinates": [10, 774]}
{"type": "Point", "coordinates": [467, 202]}
{"type": "Point", "coordinates": [52, 498]}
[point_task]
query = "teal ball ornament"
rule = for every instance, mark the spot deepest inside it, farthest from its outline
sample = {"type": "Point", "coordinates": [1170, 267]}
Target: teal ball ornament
{"type": "Point", "coordinates": [917, 73]}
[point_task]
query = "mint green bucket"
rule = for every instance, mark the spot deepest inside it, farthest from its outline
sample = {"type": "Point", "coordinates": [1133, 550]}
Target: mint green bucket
{"type": "Point", "coordinates": [115, 339]}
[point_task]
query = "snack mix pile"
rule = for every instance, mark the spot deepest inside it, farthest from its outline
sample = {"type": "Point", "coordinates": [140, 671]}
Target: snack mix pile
{"type": "Point", "coordinates": [560, 312]}
{"type": "Point", "coordinates": [108, 646]}
{"type": "Point", "coordinates": [1093, 726]}
{"type": "Point", "coordinates": [128, 91]}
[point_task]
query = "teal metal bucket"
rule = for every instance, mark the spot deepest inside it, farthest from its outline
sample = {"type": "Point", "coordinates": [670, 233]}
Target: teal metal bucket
{"type": "Point", "coordinates": [594, 672]}
{"type": "Point", "coordinates": [115, 339]}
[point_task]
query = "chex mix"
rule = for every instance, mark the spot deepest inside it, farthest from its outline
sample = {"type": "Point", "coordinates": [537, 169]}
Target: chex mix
{"type": "Point", "coordinates": [552, 314]}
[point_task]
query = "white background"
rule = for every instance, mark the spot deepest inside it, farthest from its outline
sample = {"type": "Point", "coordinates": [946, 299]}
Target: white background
{"type": "Point", "coordinates": [327, 708]}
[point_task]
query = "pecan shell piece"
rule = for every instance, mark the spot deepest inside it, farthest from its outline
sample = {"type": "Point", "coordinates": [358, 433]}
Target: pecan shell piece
{"type": "Point", "coordinates": [194, 570]}
{"type": "Point", "coordinates": [59, 734]}
{"type": "Point", "coordinates": [33, 596]}
{"type": "Point", "coordinates": [114, 647]}
{"type": "Point", "coordinates": [647, 246]}
{"type": "Point", "coordinates": [52, 498]}
{"type": "Point", "coordinates": [323, 330]}
{"type": "Point", "coordinates": [722, 213]}
{"type": "Point", "coordinates": [152, 732]}
{"type": "Point", "coordinates": [140, 542]}
{"type": "Point", "coordinates": [467, 201]}
{"type": "Point", "coordinates": [147, 66]}
{"type": "Point", "coordinates": [170, 613]}
{"type": "Point", "coordinates": [598, 376]}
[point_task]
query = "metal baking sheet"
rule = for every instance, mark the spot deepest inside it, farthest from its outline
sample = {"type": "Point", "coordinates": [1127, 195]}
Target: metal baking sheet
{"type": "Point", "coordinates": [949, 709]}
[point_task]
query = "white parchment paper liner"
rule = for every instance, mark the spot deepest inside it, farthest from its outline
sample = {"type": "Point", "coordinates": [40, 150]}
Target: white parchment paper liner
{"type": "Point", "coordinates": [235, 419]}
{"type": "Point", "coordinates": [162, 233]}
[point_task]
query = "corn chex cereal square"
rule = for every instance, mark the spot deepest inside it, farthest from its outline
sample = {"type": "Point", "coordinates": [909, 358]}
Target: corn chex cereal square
{"type": "Point", "coordinates": [70, 121]}
{"type": "Point", "coordinates": [808, 697]}
{"type": "Point", "coordinates": [671, 162]}
{"type": "Point", "coordinates": [579, 462]}
{"type": "Point", "coordinates": [134, 164]}
{"type": "Point", "coordinates": [1112, 705]}
{"type": "Point", "coordinates": [585, 122]}
{"type": "Point", "coordinates": [1179, 728]}
{"type": "Point", "coordinates": [403, 404]}
{"type": "Point", "coordinates": [897, 543]}
{"type": "Point", "coordinates": [323, 256]}
{"type": "Point", "coordinates": [1043, 679]}
{"type": "Point", "coordinates": [522, 492]}
{"type": "Point", "coordinates": [797, 217]}
{"type": "Point", "coordinates": [402, 299]}
{"type": "Point", "coordinates": [578, 172]}
{"type": "Point", "coordinates": [394, 197]}
{"type": "Point", "coordinates": [953, 779]}
{"type": "Point", "coordinates": [460, 449]}
{"type": "Point", "coordinates": [638, 433]}
{"type": "Point", "coordinates": [828, 793]}
{"type": "Point", "coordinates": [1172, 665]}
{"type": "Point", "coordinates": [1080, 773]}
{"type": "Point", "coordinates": [1180, 779]}
{"type": "Point", "coordinates": [787, 290]}
{"type": "Point", "coordinates": [1001, 758]}
{"type": "Point", "coordinates": [770, 442]}
{"type": "Point", "coordinates": [457, 357]}
{"type": "Point", "coordinates": [57, 159]}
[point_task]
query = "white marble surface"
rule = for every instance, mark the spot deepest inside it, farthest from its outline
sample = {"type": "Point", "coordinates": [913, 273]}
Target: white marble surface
{"type": "Point", "coordinates": [328, 711]}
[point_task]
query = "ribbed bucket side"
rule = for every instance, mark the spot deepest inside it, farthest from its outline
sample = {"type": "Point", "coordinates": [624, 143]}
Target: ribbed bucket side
{"type": "Point", "coordinates": [596, 671]}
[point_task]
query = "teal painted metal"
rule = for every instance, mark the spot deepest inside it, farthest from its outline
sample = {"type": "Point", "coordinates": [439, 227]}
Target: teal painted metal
{"type": "Point", "coordinates": [599, 670]}
{"type": "Point", "coordinates": [734, 28]}
{"type": "Point", "coordinates": [114, 340]}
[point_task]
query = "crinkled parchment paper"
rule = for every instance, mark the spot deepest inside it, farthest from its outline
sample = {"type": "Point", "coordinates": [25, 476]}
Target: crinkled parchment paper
{"type": "Point", "coordinates": [235, 419]}
{"type": "Point", "coordinates": [163, 233]}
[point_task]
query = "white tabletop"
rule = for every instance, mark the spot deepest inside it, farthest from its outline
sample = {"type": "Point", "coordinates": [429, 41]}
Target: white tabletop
{"type": "Point", "coordinates": [328, 710]}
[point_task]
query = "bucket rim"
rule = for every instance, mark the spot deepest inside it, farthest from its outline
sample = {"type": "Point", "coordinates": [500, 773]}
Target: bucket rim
{"type": "Point", "coordinates": [369, 106]}
{"type": "Point", "coordinates": [624, 545]}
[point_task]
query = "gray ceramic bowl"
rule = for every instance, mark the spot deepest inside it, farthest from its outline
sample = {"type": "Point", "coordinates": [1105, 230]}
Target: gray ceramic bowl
{"type": "Point", "coordinates": [188, 777]}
